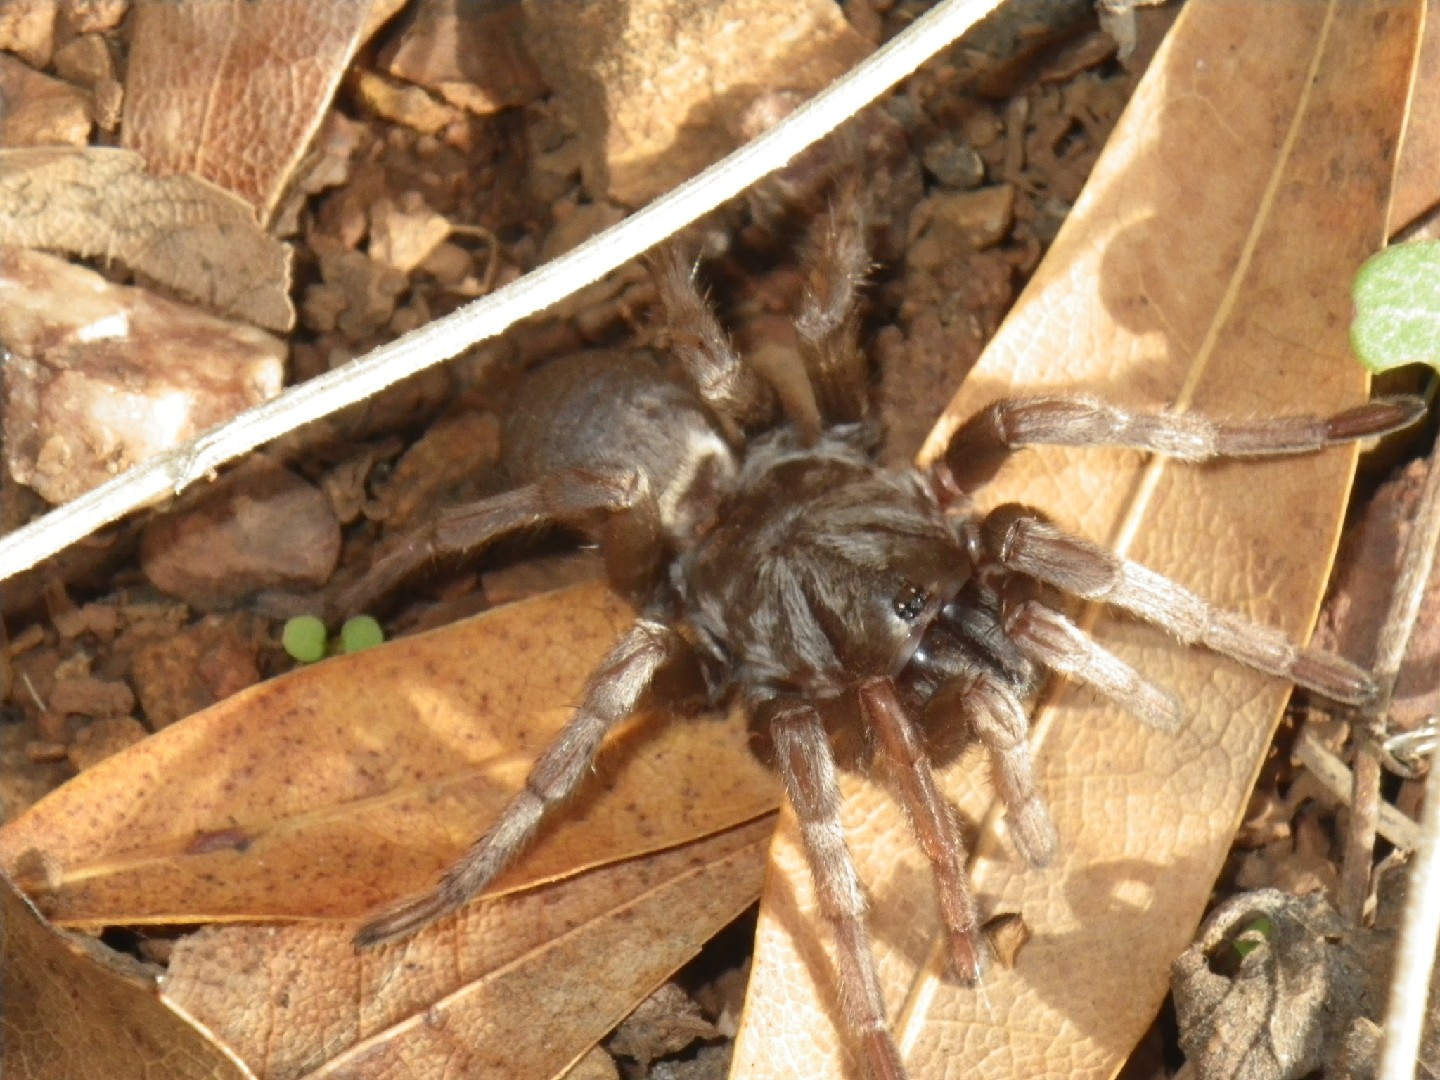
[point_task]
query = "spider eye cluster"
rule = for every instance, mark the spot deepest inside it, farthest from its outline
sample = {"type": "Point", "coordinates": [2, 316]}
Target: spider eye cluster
{"type": "Point", "coordinates": [910, 602]}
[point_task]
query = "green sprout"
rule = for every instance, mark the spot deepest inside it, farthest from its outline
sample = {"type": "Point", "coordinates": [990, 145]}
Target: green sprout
{"type": "Point", "coordinates": [361, 632]}
{"type": "Point", "coordinates": [1397, 307]}
{"type": "Point", "coordinates": [1255, 933]}
{"type": "Point", "coordinates": [304, 638]}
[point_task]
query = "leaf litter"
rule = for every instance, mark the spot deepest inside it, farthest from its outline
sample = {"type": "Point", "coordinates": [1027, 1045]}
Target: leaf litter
{"type": "Point", "coordinates": [1043, 142]}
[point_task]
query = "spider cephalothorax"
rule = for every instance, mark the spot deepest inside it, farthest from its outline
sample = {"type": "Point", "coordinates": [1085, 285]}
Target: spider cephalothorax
{"type": "Point", "coordinates": [860, 614]}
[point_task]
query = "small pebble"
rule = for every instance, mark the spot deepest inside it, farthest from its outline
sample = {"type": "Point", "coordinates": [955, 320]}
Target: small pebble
{"type": "Point", "coordinates": [954, 164]}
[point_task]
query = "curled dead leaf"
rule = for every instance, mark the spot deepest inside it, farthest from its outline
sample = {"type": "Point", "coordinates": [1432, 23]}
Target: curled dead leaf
{"type": "Point", "coordinates": [1273, 986]}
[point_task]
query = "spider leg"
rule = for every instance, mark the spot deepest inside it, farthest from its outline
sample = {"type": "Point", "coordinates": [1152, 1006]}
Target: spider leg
{"type": "Point", "coordinates": [1025, 543]}
{"type": "Point", "coordinates": [1053, 641]}
{"type": "Point", "coordinates": [614, 692]}
{"type": "Point", "coordinates": [570, 496]}
{"type": "Point", "coordinates": [836, 261]}
{"type": "Point", "coordinates": [933, 821]}
{"type": "Point", "coordinates": [982, 443]}
{"type": "Point", "coordinates": [721, 378]}
{"type": "Point", "coordinates": [807, 767]}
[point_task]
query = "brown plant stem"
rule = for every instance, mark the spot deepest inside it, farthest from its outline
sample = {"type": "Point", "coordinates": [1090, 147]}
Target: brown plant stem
{"type": "Point", "coordinates": [1415, 566]}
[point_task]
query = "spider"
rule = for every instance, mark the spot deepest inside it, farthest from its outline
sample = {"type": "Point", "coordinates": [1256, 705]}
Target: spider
{"type": "Point", "coordinates": [864, 616]}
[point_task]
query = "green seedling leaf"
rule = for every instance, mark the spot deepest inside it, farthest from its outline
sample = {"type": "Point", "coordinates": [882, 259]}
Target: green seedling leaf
{"type": "Point", "coordinates": [1397, 308]}
{"type": "Point", "coordinates": [304, 638]}
{"type": "Point", "coordinates": [361, 632]}
{"type": "Point", "coordinates": [1256, 933]}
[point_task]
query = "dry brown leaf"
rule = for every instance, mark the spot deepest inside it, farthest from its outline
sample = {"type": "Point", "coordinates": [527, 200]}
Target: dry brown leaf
{"type": "Point", "coordinates": [1417, 181]}
{"type": "Point", "coordinates": [72, 1008]}
{"type": "Point", "coordinates": [347, 785]}
{"type": "Point", "coordinates": [234, 90]}
{"type": "Point", "coordinates": [184, 233]}
{"type": "Point", "coordinates": [1208, 264]}
{"type": "Point", "coordinates": [521, 986]}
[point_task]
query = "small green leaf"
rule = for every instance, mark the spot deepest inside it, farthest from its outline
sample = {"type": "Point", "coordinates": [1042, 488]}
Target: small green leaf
{"type": "Point", "coordinates": [1397, 308]}
{"type": "Point", "coordinates": [1256, 932]}
{"type": "Point", "coordinates": [361, 632]}
{"type": "Point", "coordinates": [304, 638]}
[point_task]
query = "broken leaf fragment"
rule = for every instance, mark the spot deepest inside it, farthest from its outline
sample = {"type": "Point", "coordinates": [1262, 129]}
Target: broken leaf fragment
{"type": "Point", "coordinates": [233, 91]}
{"type": "Point", "coordinates": [75, 1008]}
{"type": "Point", "coordinates": [178, 231]}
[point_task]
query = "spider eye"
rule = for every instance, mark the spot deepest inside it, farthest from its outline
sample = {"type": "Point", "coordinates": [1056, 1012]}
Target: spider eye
{"type": "Point", "coordinates": [910, 602]}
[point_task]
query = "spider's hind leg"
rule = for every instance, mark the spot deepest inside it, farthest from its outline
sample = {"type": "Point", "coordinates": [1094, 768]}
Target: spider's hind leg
{"type": "Point", "coordinates": [615, 691]}
{"type": "Point", "coordinates": [733, 390]}
{"type": "Point", "coordinates": [567, 496]}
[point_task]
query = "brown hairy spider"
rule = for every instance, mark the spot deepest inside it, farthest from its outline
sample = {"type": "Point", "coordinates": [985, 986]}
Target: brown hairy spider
{"type": "Point", "coordinates": [859, 613]}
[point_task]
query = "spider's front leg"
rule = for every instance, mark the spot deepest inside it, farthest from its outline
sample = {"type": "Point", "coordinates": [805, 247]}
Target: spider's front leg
{"type": "Point", "coordinates": [807, 767]}
{"type": "Point", "coordinates": [615, 691]}
{"type": "Point", "coordinates": [933, 821]}
{"type": "Point", "coordinates": [1022, 541]}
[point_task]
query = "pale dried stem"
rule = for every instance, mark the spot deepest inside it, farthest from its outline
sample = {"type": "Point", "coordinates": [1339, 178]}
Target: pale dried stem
{"type": "Point", "coordinates": [177, 469]}
{"type": "Point", "coordinates": [1393, 825]}
{"type": "Point", "coordinates": [1415, 952]}
{"type": "Point", "coordinates": [1416, 565]}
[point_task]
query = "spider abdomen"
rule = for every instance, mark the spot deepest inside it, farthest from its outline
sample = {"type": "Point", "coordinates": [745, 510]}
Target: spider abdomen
{"type": "Point", "coordinates": [616, 411]}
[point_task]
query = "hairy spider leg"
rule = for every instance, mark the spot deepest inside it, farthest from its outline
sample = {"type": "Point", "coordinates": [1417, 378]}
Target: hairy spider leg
{"type": "Point", "coordinates": [807, 768]}
{"type": "Point", "coordinates": [981, 444]}
{"type": "Point", "coordinates": [614, 692]}
{"type": "Point", "coordinates": [1056, 643]}
{"type": "Point", "coordinates": [933, 821]}
{"type": "Point", "coordinates": [1029, 545]}
{"type": "Point", "coordinates": [836, 261]}
{"type": "Point", "coordinates": [569, 496]}
{"type": "Point", "coordinates": [732, 389]}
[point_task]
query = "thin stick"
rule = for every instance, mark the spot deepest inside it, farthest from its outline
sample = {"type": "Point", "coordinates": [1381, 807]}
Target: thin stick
{"type": "Point", "coordinates": [176, 469]}
{"type": "Point", "coordinates": [1415, 567]}
{"type": "Point", "coordinates": [1393, 825]}
{"type": "Point", "coordinates": [1415, 952]}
